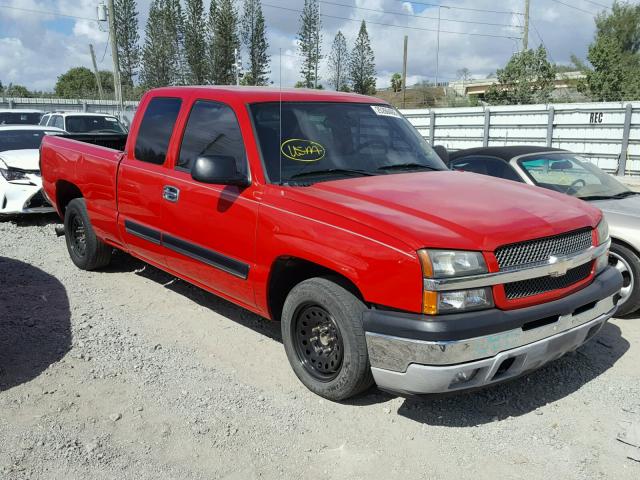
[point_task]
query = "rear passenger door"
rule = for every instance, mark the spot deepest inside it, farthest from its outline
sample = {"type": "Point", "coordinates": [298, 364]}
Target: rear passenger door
{"type": "Point", "coordinates": [141, 180]}
{"type": "Point", "coordinates": [210, 229]}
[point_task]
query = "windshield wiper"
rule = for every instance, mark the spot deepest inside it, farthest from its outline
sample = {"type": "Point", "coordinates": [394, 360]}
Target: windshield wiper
{"type": "Point", "coordinates": [331, 171]}
{"type": "Point", "coordinates": [609, 197]}
{"type": "Point", "coordinates": [406, 166]}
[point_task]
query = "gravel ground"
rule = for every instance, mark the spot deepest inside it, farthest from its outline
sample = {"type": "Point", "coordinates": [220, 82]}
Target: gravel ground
{"type": "Point", "coordinates": [130, 373]}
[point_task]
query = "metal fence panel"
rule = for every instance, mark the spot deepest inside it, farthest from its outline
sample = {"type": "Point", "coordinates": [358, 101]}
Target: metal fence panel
{"type": "Point", "coordinates": [605, 133]}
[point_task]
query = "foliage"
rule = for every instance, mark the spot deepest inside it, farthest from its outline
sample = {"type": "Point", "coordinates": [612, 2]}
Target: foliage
{"type": "Point", "coordinates": [362, 64]}
{"type": "Point", "coordinates": [195, 44]}
{"type": "Point", "coordinates": [160, 55]}
{"type": "Point", "coordinates": [396, 82]}
{"type": "Point", "coordinates": [309, 40]}
{"type": "Point", "coordinates": [226, 43]}
{"type": "Point", "coordinates": [255, 41]}
{"type": "Point", "coordinates": [527, 78]}
{"type": "Point", "coordinates": [614, 56]}
{"type": "Point", "coordinates": [77, 82]}
{"type": "Point", "coordinates": [15, 90]}
{"type": "Point", "coordinates": [210, 38]}
{"type": "Point", "coordinates": [463, 74]}
{"type": "Point", "coordinates": [339, 64]}
{"type": "Point", "coordinates": [127, 38]}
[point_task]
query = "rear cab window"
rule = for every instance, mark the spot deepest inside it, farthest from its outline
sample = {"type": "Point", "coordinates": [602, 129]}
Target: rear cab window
{"type": "Point", "coordinates": [156, 129]}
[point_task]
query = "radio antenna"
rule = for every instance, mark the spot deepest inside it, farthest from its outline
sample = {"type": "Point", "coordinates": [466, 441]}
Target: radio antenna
{"type": "Point", "coordinates": [280, 115]}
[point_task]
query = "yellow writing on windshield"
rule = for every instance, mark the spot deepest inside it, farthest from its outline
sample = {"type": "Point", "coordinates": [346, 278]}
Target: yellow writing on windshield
{"type": "Point", "coordinates": [302, 150]}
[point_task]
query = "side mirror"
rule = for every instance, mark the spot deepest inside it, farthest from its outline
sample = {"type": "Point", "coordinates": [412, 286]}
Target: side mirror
{"type": "Point", "coordinates": [442, 153]}
{"type": "Point", "coordinates": [219, 169]}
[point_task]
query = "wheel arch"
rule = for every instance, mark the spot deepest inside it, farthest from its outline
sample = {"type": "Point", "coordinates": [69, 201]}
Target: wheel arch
{"type": "Point", "coordinates": [65, 192]}
{"type": "Point", "coordinates": [288, 271]}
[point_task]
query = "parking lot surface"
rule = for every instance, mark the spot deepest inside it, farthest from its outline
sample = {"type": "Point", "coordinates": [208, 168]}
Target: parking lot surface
{"type": "Point", "coordinates": [131, 373]}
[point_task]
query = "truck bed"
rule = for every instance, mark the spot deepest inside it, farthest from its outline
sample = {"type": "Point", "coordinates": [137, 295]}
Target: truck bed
{"type": "Point", "coordinates": [115, 141]}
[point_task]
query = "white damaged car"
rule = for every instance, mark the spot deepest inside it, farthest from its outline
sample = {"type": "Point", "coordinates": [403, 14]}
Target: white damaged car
{"type": "Point", "coordinates": [20, 181]}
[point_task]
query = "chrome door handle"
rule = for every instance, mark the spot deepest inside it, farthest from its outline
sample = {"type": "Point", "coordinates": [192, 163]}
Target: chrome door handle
{"type": "Point", "coordinates": [171, 194]}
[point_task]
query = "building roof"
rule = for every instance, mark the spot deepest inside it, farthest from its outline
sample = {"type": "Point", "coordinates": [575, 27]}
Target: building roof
{"type": "Point", "coordinates": [503, 153]}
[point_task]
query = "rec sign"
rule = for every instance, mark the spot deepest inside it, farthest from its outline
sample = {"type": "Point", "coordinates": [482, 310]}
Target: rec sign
{"type": "Point", "coordinates": [595, 117]}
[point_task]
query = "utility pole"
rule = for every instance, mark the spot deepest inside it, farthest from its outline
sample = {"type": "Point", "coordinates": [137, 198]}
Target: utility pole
{"type": "Point", "coordinates": [315, 80]}
{"type": "Point", "coordinates": [95, 71]}
{"type": "Point", "coordinates": [117, 85]}
{"type": "Point", "coordinates": [236, 64]}
{"type": "Point", "coordinates": [438, 46]}
{"type": "Point", "coordinates": [404, 73]}
{"type": "Point", "coordinates": [525, 36]}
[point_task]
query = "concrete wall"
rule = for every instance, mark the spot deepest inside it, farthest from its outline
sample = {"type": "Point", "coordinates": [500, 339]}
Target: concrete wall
{"type": "Point", "coordinates": [608, 134]}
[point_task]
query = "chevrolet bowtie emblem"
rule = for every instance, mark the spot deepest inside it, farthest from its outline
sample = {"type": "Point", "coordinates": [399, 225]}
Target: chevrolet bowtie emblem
{"type": "Point", "coordinates": [558, 267]}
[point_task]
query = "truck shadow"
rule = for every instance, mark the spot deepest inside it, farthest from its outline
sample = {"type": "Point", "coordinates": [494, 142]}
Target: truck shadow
{"type": "Point", "coordinates": [35, 329]}
{"type": "Point", "coordinates": [32, 220]}
{"type": "Point", "coordinates": [525, 394]}
{"type": "Point", "coordinates": [122, 262]}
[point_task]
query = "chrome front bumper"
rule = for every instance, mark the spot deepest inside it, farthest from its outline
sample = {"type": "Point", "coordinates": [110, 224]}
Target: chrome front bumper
{"type": "Point", "coordinates": [419, 366]}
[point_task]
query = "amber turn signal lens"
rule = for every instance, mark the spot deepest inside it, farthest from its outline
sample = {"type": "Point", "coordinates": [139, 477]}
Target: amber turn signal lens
{"type": "Point", "coordinates": [430, 302]}
{"type": "Point", "coordinates": [425, 261]}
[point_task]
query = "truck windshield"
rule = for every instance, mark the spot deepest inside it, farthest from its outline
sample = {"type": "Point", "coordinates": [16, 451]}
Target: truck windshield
{"type": "Point", "coordinates": [22, 139]}
{"type": "Point", "coordinates": [325, 141]}
{"type": "Point", "coordinates": [569, 173]}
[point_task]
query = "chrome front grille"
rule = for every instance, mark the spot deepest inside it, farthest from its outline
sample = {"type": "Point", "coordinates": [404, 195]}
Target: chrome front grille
{"type": "Point", "coordinates": [539, 251]}
{"type": "Point", "coordinates": [536, 286]}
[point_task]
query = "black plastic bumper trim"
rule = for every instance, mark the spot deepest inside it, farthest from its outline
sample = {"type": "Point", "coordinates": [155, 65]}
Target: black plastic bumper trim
{"type": "Point", "coordinates": [486, 322]}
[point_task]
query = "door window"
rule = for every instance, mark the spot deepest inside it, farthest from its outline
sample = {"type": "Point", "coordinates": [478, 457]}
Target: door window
{"type": "Point", "coordinates": [56, 121]}
{"type": "Point", "coordinates": [212, 129]}
{"type": "Point", "coordinates": [156, 129]}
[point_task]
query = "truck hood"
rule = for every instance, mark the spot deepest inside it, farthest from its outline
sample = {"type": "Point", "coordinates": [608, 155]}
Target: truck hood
{"type": "Point", "coordinates": [27, 159]}
{"type": "Point", "coordinates": [455, 210]}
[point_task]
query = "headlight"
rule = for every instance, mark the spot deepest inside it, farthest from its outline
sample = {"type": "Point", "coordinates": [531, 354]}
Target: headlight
{"type": "Point", "coordinates": [11, 175]}
{"type": "Point", "coordinates": [603, 231]}
{"type": "Point", "coordinates": [453, 263]}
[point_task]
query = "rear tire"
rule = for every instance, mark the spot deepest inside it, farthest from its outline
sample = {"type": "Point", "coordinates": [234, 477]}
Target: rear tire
{"type": "Point", "coordinates": [324, 339]}
{"type": "Point", "coordinates": [86, 250]}
{"type": "Point", "coordinates": [626, 261]}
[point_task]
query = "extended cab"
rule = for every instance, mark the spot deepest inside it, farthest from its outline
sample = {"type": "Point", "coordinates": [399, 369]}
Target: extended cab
{"type": "Point", "coordinates": [330, 213]}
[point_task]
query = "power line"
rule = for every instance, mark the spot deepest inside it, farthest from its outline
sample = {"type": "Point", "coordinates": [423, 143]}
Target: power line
{"type": "Point", "coordinates": [535, 29]}
{"type": "Point", "coordinates": [391, 25]}
{"type": "Point", "coordinates": [380, 10]}
{"type": "Point", "coordinates": [44, 12]}
{"type": "Point", "coordinates": [575, 8]}
{"type": "Point", "coordinates": [469, 9]}
{"type": "Point", "coordinates": [606, 7]}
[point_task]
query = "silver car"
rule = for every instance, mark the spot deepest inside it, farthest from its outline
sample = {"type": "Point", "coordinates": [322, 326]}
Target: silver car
{"type": "Point", "coordinates": [567, 172]}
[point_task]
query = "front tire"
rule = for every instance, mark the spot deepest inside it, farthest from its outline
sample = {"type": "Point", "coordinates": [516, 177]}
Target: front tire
{"type": "Point", "coordinates": [626, 261]}
{"type": "Point", "coordinates": [86, 250]}
{"type": "Point", "coordinates": [324, 339]}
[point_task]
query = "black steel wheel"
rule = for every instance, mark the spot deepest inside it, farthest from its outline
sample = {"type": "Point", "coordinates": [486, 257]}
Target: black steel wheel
{"type": "Point", "coordinates": [78, 236]}
{"type": "Point", "coordinates": [324, 339]}
{"type": "Point", "coordinates": [318, 342]}
{"type": "Point", "coordinates": [86, 250]}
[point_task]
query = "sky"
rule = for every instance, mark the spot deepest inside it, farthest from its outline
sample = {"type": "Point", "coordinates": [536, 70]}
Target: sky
{"type": "Point", "coordinates": [36, 47]}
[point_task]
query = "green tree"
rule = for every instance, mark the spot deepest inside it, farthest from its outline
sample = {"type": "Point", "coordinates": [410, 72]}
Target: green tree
{"type": "Point", "coordinates": [339, 64]}
{"type": "Point", "coordinates": [127, 38]}
{"type": "Point", "coordinates": [175, 29]}
{"type": "Point", "coordinates": [210, 38]}
{"type": "Point", "coordinates": [195, 43]}
{"type": "Point", "coordinates": [527, 78]}
{"type": "Point", "coordinates": [160, 62]}
{"type": "Point", "coordinates": [255, 41]}
{"type": "Point", "coordinates": [226, 43]}
{"type": "Point", "coordinates": [614, 55]}
{"type": "Point", "coordinates": [77, 82]}
{"type": "Point", "coordinates": [309, 40]}
{"type": "Point", "coordinates": [106, 79]}
{"type": "Point", "coordinates": [362, 66]}
{"type": "Point", "coordinates": [396, 82]}
{"type": "Point", "coordinates": [16, 90]}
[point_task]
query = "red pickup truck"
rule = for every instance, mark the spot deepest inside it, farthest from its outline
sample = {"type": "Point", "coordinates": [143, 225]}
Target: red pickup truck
{"type": "Point", "coordinates": [330, 213]}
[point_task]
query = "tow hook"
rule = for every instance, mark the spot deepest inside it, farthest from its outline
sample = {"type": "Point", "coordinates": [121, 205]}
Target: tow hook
{"type": "Point", "coordinates": [59, 230]}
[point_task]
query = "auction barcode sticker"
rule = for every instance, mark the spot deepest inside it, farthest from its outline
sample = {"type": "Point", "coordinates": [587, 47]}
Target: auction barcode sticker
{"type": "Point", "coordinates": [385, 111]}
